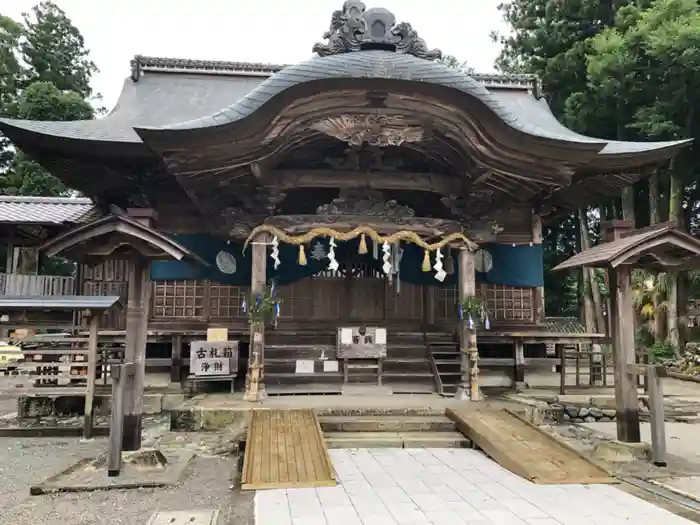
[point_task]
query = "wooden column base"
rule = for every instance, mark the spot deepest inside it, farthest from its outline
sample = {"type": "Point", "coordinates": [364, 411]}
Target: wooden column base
{"type": "Point", "coordinates": [519, 367]}
{"type": "Point", "coordinates": [132, 432]}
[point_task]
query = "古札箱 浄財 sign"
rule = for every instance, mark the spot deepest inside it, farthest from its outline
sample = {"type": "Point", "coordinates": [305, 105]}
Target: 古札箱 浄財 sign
{"type": "Point", "coordinates": [361, 343]}
{"type": "Point", "coordinates": [214, 358]}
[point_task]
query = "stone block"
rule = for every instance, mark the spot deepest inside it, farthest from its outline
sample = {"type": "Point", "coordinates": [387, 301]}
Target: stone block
{"type": "Point", "coordinates": [603, 402]}
{"type": "Point", "coordinates": [614, 451]}
{"type": "Point", "coordinates": [574, 399]}
{"type": "Point", "coordinates": [172, 401]}
{"type": "Point", "coordinates": [152, 403]}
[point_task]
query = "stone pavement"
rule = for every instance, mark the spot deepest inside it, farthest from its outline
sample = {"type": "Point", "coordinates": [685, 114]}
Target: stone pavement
{"type": "Point", "coordinates": [447, 487]}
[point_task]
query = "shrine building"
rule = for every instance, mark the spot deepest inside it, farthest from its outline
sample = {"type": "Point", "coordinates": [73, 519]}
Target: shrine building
{"type": "Point", "coordinates": [369, 186]}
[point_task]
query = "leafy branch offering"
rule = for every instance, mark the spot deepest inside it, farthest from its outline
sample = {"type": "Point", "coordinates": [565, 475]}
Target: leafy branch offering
{"type": "Point", "coordinates": [473, 309]}
{"type": "Point", "coordinates": [262, 308]}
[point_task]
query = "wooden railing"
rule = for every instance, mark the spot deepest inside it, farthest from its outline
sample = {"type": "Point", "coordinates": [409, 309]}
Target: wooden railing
{"type": "Point", "coordinates": [18, 284]}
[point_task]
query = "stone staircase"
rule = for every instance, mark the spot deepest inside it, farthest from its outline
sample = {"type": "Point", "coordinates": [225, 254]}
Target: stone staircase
{"type": "Point", "coordinates": [396, 428]}
{"type": "Point", "coordinates": [445, 359]}
{"type": "Point", "coordinates": [407, 368]}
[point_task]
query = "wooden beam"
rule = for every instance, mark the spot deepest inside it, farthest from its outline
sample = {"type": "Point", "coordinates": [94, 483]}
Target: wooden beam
{"type": "Point", "coordinates": [94, 323]}
{"type": "Point", "coordinates": [135, 351]}
{"type": "Point", "coordinates": [468, 388]}
{"type": "Point", "coordinates": [255, 386]}
{"type": "Point", "coordinates": [626, 401]}
{"type": "Point", "coordinates": [538, 296]}
{"type": "Point", "coordinates": [391, 180]}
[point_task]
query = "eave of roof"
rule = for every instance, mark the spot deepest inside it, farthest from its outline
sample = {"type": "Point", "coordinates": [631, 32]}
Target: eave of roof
{"type": "Point", "coordinates": [45, 211]}
{"type": "Point", "coordinates": [63, 302]}
{"type": "Point", "coordinates": [210, 101]}
{"type": "Point", "coordinates": [614, 253]}
{"type": "Point", "coordinates": [73, 241]}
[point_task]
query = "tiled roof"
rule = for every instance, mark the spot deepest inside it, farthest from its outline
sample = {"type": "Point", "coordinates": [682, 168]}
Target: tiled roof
{"type": "Point", "coordinates": [46, 210]}
{"type": "Point", "coordinates": [564, 325]}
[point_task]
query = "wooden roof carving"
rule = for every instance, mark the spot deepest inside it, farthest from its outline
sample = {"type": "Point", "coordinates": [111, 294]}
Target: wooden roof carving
{"type": "Point", "coordinates": [660, 247]}
{"type": "Point", "coordinates": [117, 236]}
{"type": "Point", "coordinates": [206, 136]}
{"type": "Point", "coordinates": [356, 28]}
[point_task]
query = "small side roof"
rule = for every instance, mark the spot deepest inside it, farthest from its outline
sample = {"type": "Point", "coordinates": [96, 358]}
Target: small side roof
{"type": "Point", "coordinates": [661, 246]}
{"type": "Point", "coordinates": [45, 211]}
{"type": "Point", "coordinates": [60, 302]}
{"type": "Point", "coordinates": [105, 236]}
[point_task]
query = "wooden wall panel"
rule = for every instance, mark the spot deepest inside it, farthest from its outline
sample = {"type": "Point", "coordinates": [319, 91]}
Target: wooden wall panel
{"type": "Point", "coordinates": [108, 278]}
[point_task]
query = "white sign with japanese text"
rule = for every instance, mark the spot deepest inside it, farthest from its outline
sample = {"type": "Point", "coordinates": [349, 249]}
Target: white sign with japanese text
{"type": "Point", "coordinates": [213, 358]}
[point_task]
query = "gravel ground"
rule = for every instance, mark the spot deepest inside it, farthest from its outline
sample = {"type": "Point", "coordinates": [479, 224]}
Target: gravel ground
{"type": "Point", "coordinates": [206, 484]}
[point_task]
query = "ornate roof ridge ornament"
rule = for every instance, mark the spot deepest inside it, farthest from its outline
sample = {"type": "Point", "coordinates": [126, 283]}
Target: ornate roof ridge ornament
{"type": "Point", "coordinates": [355, 28]}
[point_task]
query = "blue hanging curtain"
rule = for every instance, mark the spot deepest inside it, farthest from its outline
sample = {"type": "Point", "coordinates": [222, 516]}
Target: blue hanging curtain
{"type": "Point", "coordinates": [521, 266]}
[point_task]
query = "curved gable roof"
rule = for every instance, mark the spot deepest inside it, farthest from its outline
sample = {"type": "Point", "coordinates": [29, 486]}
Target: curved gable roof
{"type": "Point", "coordinates": [175, 94]}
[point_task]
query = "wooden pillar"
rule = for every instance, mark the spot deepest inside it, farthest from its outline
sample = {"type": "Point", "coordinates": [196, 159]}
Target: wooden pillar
{"type": "Point", "coordinates": [135, 352]}
{"type": "Point", "coordinates": [428, 306]}
{"type": "Point", "coordinates": [626, 401]}
{"type": "Point", "coordinates": [93, 323]}
{"type": "Point", "coordinates": [538, 296]}
{"type": "Point", "coordinates": [468, 388]}
{"type": "Point", "coordinates": [176, 360]}
{"type": "Point", "coordinates": [255, 380]}
{"type": "Point", "coordinates": [519, 365]}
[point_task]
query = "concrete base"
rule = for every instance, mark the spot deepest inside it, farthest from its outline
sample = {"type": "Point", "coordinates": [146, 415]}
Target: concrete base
{"type": "Point", "coordinates": [366, 390]}
{"type": "Point", "coordinates": [614, 451]}
{"type": "Point", "coordinates": [31, 406]}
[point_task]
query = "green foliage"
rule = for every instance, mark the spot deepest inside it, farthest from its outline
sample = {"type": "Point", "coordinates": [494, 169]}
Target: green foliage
{"type": "Point", "coordinates": [45, 74]}
{"type": "Point", "coordinates": [660, 353]}
{"type": "Point", "coordinates": [262, 308]}
{"type": "Point", "coordinates": [55, 50]}
{"type": "Point", "coordinates": [473, 307]}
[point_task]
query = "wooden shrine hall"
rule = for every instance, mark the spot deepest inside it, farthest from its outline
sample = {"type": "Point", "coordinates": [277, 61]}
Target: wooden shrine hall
{"type": "Point", "coordinates": [369, 189]}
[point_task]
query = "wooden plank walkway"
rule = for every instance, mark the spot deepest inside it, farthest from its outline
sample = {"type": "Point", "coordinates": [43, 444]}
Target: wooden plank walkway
{"type": "Point", "coordinates": [285, 449]}
{"type": "Point", "coordinates": [525, 450]}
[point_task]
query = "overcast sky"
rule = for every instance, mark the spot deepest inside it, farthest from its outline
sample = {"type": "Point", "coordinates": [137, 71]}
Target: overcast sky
{"type": "Point", "coordinates": [270, 31]}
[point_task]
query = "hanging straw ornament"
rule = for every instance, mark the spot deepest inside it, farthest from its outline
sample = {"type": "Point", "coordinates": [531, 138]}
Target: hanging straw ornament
{"type": "Point", "coordinates": [386, 267]}
{"type": "Point", "coordinates": [450, 263]}
{"type": "Point", "coordinates": [302, 256]}
{"type": "Point", "coordinates": [426, 261]}
{"type": "Point", "coordinates": [275, 253]}
{"type": "Point", "coordinates": [440, 274]}
{"type": "Point", "coordinates": [333, 263]}
{"type": "Point", "coordinates": [363, 245]}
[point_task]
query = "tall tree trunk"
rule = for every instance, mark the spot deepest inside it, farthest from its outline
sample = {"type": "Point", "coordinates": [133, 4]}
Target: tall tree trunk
{"type": "Point", "coordinates": [654, 218]}
{"type": "Point", "coordinates": [675, 214]}
{"type": "Point", "coordinates": [628, 204]}
{"type": "Point", "coordinates": [588, 310]}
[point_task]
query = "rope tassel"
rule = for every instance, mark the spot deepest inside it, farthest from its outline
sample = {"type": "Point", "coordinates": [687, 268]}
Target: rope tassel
{"type": "Point", "coordinates": [426, 261]}
{"type": "Point", "coordinates": [302, 256]}
{"type": "Point", "coordinates": [363, 244]}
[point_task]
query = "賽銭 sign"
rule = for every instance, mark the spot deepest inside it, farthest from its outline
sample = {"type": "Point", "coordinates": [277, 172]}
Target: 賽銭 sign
{"type": "Point", "coordinates": [361, 343]}
{"type": "Point", "coordinates": [214, 358]}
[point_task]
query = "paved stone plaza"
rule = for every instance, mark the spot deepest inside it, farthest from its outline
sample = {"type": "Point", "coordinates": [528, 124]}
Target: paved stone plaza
{"type": "Point", "coordinates": [447, 487]}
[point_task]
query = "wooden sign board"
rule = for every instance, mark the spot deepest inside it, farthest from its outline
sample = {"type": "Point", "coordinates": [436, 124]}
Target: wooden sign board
{"type": "Point", "coordinates": [361, 343]}
{"type": "Point", "coordinates": [217, 334]}
{"type": "Point", "coordinates": [213, 358]}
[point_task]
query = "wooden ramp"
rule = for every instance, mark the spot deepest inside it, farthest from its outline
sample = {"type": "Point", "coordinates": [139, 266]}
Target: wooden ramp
{"type": "Point", "coordinates": [285, 449]}
{"type": "Point", "coordinates": [525, 450]}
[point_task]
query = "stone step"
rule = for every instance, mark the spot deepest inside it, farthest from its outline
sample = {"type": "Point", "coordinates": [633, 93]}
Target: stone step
{"type": "Point", "coordinates": [301, 379]}
{"type": "Point", "coordinates": [407, 365]}
{"type": "Point", "coordinates": [396, 440]}
{"type": "Point", "coordinates": [387, 424]}
{"type": "Point", "coordinates": [388, 412]}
